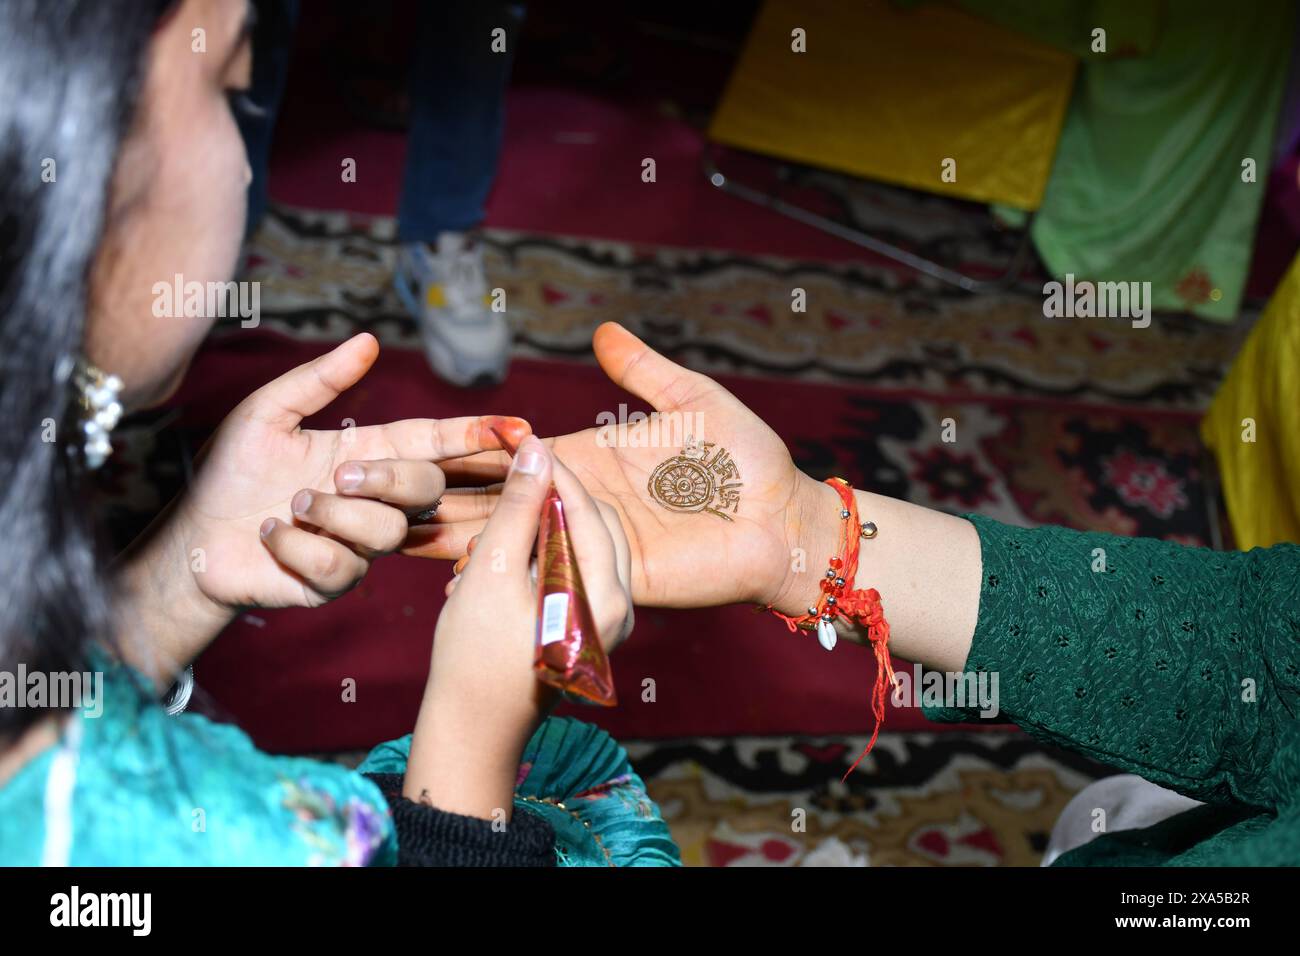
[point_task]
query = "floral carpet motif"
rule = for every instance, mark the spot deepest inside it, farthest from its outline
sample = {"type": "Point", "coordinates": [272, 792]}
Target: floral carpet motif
{"type": "Point", "coordinates": [952, 799]}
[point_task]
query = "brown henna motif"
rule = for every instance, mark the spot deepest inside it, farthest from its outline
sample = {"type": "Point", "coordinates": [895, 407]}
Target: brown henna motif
{"type": "Point", "coordinates": [703, 478]}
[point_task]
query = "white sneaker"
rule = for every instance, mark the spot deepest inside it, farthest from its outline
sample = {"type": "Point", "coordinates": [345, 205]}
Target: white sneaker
{"type": "Point", "coordinates": [446, 290]}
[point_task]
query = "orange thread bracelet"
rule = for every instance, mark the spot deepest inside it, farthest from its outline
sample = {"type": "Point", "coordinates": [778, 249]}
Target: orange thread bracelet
{"type": "Point", "coordinates": [839, 599]}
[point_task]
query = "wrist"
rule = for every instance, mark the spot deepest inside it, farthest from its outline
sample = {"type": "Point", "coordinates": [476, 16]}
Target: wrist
{"type": "Point", "coordinates": [163, 618]}
{"type": "Point", "coordinates": [813, 535]}
{"type": "Point", "coordinates": [465, 758]}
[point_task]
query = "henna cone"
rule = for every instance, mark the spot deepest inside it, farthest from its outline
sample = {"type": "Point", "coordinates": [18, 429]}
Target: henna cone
{"type": "Point", "coordinates": [568, 653]}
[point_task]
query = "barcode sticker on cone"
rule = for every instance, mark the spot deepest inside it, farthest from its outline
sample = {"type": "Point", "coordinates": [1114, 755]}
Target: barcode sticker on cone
{"type": "Point", "coordinates": [555, 612]}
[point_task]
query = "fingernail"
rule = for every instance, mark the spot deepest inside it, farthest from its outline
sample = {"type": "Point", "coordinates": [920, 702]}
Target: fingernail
{"type": "Point", "coordinates": [459, 566]}
{"type": "Point", "coordinates": [350, 477]}
{"type": "Point", "coordinates": [301, 502]}
{"type": "Point", "coordinates": [529, 460]}
{"type": "Point", "coordinates": [267, 527]}
{"type": "Point", "coordinates": [508, 431]}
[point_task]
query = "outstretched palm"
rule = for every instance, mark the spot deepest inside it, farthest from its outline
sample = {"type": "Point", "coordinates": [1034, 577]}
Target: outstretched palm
{"type": "Point", "coordinates": [696, 538]}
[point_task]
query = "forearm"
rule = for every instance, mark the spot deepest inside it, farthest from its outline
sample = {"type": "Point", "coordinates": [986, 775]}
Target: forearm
{"type": "Point", "coordinates": [925, 564]}
{"type": "Point", "coordinates": [162, 620]}
{"type": "Point", "coordinates": [465, 755]}
{"type": "Point", "coordinates": [1176, 663]}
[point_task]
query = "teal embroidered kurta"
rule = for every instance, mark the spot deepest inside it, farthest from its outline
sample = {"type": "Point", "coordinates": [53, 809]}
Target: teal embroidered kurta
{"type": "Point", "coordinates": [136, 787]}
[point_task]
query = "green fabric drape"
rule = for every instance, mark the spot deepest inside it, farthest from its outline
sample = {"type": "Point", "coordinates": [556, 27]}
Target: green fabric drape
{"type": "Point", "coordinates": [1148, 183]}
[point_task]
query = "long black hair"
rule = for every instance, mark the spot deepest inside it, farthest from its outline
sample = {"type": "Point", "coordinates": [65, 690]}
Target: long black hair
{"type": "Point", "coordinates": [70, 77]}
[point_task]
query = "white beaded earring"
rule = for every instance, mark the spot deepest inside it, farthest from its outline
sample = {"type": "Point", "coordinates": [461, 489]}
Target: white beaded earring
{"type": "Point", "coordinates": [97, 394]}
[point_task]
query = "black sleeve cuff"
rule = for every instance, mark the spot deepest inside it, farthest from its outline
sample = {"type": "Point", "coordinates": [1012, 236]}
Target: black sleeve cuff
{"type": "Point", "coordinates": [427, 836]}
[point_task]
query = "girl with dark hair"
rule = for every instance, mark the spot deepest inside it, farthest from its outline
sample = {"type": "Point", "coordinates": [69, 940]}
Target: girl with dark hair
{"type": "Point", "coordinates": [121, 167]}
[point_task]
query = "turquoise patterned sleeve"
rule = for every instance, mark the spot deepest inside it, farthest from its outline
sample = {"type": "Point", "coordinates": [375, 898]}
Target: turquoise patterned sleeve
{"type": "Point", "coordinates": [134, 786]}
{"type": "Point", "coordinates": [577, 778]}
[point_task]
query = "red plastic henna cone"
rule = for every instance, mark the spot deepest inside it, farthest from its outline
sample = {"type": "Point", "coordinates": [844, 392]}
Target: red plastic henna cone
{"type": "Point", "coordinates": [567, 653]}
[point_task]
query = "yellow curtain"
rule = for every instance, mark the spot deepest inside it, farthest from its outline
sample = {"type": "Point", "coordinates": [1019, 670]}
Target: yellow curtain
{"type": "Point", "coordinates": [890, 94]}
{"type": "Point", "coordinates": [1260, 400]}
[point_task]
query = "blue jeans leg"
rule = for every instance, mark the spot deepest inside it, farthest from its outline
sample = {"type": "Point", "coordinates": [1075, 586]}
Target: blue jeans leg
{"type": "Point", "coordinates": [457, 108]}
{"type": "Point", "coordinates": [272, 43]}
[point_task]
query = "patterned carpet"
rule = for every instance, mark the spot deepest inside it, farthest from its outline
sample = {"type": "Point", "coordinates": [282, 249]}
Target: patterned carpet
{"type": "Point", "coordinates": [1084, 423]}
{"type": "Point", "coordinates": [951, 799]}
{"type": "Point", "coordinates": [327, 273]}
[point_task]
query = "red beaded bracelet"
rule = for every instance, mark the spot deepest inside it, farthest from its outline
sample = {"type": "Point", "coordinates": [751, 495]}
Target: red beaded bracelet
{"type": "Point", "coordinates": [839, 599]}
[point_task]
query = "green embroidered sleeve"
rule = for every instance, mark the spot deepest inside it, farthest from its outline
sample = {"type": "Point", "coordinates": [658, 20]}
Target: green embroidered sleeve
{"type": "Point", "coordinates": [1179, 664]}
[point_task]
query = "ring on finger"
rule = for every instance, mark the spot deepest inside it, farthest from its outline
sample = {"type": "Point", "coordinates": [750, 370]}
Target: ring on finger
{"type": "Point", "coordinates": [425, 516]}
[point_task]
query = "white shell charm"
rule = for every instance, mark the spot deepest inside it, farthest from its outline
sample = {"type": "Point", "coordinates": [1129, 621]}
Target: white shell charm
{"type": "Point", "coordinates": [826, 635]}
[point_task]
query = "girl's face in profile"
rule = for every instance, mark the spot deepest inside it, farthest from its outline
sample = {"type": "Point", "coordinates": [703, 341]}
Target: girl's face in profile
{"type": "Point", "coordinates": [177, 201]}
